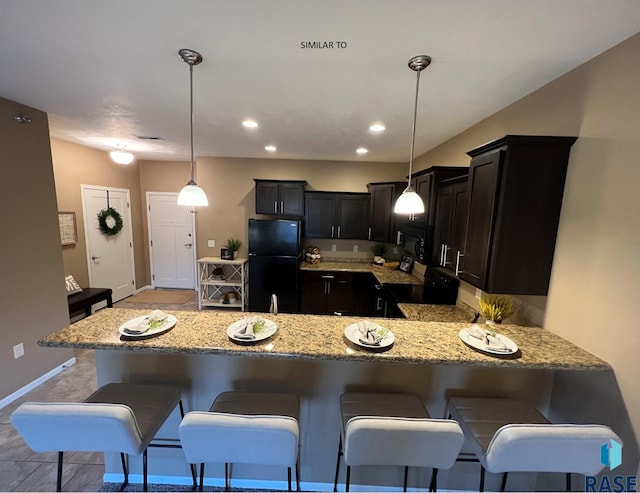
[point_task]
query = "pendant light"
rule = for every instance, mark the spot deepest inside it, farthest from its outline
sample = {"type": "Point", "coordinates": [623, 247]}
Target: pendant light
{"type": "Point", "coordinates": [409, 201]}
{"type": "Point", "coordinates": [191, 194]}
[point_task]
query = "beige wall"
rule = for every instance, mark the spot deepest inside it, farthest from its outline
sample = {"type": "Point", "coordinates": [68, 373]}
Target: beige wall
{"type": "Point", "coordinates": [76, 165]}
{"type": "Point", "coordinates": [594, 295]}
{"type": "Point", "coordinates": [33, 300]}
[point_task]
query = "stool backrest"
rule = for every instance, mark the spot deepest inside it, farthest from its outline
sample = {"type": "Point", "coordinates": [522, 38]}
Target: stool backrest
{"type": "Point", "coordinates": [249, 439]}
{"type": "Point", "coordinates": [420, 442]}
{"type": "Point", "coordinates": [79, 427]}
{"type": "Point", "coordinates": [548, 448]}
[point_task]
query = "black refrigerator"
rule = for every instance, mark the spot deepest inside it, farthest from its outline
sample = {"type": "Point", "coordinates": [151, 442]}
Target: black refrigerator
{"type": "Point", "coordinates": [274, 264]}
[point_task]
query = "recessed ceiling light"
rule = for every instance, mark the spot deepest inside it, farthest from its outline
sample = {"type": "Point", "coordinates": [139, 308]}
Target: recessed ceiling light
{"type": "Point", "coordinates": [250, 123]}
{"type": "Point", "coordinates": [362, 150]}
{"type": "Point", "coordinates": [271, 148]}
{"type": "Point", "coordinates": [377, 127]}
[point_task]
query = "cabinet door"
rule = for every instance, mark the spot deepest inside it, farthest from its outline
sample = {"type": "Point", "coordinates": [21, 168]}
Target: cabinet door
{"type": "Point", "coordinates": [313, 293]}
{"type": "Point", "coordinates": [459, 214]}
{"type": "Point", "coordinates": [442, 225]}
{"type": "Point", "coordinates": [267, 201]}
{"type": "Point", "coordinates": [484, 176]}
{"type": "Point", "coordinates": [291, 196]}
{"type": "Point", "coordinates": [382, 219]}
{"type": "Point", "coordinates": [353, 216]}
{"type": "Point", "coordinates": [422, 186]}
{"type": "Point", "coordinates": [319, 213]}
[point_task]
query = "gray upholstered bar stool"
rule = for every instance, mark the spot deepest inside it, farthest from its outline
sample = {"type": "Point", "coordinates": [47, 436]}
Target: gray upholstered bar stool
{"type": "Point", "coordinates": [395, 430]}
{"type": "Point", "coordinates": [118, 417]}
{"type": "Point", "coordinates": [244, 427]}
{"type": "Point", "coordinates": [508, 435]}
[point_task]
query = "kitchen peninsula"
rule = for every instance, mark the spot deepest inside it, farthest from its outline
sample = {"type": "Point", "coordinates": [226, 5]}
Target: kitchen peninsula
{"type": "Point", "coordinates": [309, 355]}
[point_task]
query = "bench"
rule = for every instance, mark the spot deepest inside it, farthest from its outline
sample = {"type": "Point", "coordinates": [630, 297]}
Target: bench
{"type": "Point", "coordinates": [87, 298]}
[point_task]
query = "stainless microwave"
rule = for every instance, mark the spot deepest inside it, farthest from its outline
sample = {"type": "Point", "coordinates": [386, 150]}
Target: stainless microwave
{"type": "Point", "coordinates": [414, 242]}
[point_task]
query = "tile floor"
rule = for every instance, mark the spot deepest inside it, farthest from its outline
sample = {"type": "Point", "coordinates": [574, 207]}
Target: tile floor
{"type": "Point", "coordinates": [21, 469]}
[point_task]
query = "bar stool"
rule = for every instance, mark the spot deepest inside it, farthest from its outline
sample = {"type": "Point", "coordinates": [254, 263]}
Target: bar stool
{"type": "Point", "coordinates": [394, 430]}
{"type": "Point", "coordinates": [508, 435]}
{"type": "Point", "coordinates": [244, 427]}
{"type": "Point", "coordinates": [118, 417]}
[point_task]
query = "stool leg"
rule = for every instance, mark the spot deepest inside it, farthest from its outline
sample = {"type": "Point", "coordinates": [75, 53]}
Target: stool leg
{"type": "Point", "coordinates": [406, 477]}
{"type": "Point", "coordinates": [59, 478]}
{"type": "Point", "coordinates": [503, 484]}
{"type": "Point", "coordinates": [297, 476]}
{"type": "Point", "coordinates": [568, 481]}
{"type": "Point", "coordinates": [348, 478]}
{"type": "Point", "coordinates": [201, 476]}
{"type": "Point", "coordinates": [125, 471]}
{"type": "Point", "coordinates": [226, 476]}
{"type": "Point", "coordinates": [145, 485]}
{"type": "Point", "coordinates": [289, 478]}
{"type": "Point", "coordinates": [434, 480]}
{"type": "Point", "coordinates": [335, 481]}
{"type": "Point", "coordinates": [481, 478]}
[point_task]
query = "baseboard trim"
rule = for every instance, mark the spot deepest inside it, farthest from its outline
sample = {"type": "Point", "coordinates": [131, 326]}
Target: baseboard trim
{"type": "Point", "coordinates": [143, 288]}
{"type": "Point", "coordinates": [30, 386]}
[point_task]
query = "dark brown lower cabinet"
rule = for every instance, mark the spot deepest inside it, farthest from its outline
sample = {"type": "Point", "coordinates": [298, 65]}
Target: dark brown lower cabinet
{"type": "Point", "coordinates": [327, 293]}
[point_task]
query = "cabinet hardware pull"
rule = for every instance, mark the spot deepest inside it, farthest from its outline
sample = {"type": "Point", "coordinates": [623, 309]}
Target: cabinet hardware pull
{"type": "Point", "coordinates": [441, 253]}
{"type": "Point", "coordinates": [328, 277]}
{"type": "Point", "coordinates": [379, 304]}
{"type": "Point", "coordinates": [275, 206]}
{"type": "Point", "coordinates": [399, 238]}
{"type": "Point", "coordinates": [446, 250]}
{"type": "Point", "coordinates": [458, 255]}
{"type": "Point", "coordinates": [337, 314]}
{"type": "Point", "coordinates": [328, 287]}
{"type": "Point", "coordinates": [332, 231]}
{"type": "Point", "coordinates": [282, 206]}
{"type": "Point", "coordinates": [369, 235]}
{"type": "Point", "coordinates": [338, 231]}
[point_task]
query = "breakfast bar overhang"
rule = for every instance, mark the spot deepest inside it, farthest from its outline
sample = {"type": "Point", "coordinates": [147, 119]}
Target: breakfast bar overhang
{"type": "Point", "coordinates": [310, 356]}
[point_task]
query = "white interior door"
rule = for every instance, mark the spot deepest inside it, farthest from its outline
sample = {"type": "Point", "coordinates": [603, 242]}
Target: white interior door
{"type": "Point", "coordinates": [110, 258]}
{"type": "Point", "coordinates": [171, 242]}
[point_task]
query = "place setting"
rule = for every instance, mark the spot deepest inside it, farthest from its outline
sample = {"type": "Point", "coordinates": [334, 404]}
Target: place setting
{"type": "Point", "coordinates": [370, 336]}
{"type": "Point", "coordinates": [485, 339]}
{"type": "Point", "coordinates": [155, 323]}
{"type": "Point", "coordinates": [251, 330]}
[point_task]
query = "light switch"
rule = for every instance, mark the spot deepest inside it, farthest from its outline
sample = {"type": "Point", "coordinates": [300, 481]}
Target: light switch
{"type": "Point", "coordinates": [478, 293]}
{"type": "Point", "coordinates": [211, 243]}
{"type": "Point", "coordinates": [355, 248]}
{"type": "Point", "coordinates": [333, 247]}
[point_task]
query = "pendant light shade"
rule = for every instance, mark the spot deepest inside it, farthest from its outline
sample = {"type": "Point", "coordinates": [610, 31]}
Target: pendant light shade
{"type": "Point", "coordinates": [191, 194]}
{"type": "Point", "coordinates": [409, 201]}
{"type": "Point", "coordinates": [121, 156]}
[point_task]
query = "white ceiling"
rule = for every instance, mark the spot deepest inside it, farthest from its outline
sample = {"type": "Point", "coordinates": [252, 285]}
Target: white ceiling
{"type": "Point", "coordinates": [108, 71]}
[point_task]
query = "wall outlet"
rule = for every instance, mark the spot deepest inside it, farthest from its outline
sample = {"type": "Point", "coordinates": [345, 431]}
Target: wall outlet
{"type": "Point", "coordinates": [395, 249]}
{"type": "Point", "coordinates": [18, 350]}
{"type": "Point", "coordinates": [211, 243]}
{"type": "Point", "coordinates": [333, 247]}
{"type": "Point", "coordinates": [478, 293]}
{"type": "Point", "coordinates": [355, 248]}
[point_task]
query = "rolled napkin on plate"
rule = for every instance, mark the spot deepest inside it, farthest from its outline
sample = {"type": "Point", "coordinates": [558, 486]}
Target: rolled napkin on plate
{"type": "Point", "coordinates": [369, 333]}
{"type": "Point", "coordinates": [154, 320]}
{"type": "Point", "coordinates": [490, 340]}
{"type": "Point", "coordinates": [248, 329]}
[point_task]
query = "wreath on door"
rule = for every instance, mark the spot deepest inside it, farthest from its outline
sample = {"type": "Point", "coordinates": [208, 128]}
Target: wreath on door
{"type": "Point", "coordinates": [110, 221]}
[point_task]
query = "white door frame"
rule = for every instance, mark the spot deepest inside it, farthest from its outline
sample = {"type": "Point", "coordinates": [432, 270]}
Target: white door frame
{"type": "Point", "coordinates": [150, 249]}
{"type": "Point", "coordinates": [87, 225]}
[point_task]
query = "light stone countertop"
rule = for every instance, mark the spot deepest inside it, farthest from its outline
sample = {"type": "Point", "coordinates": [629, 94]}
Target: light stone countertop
{"type": "Point", "coordinates": [321, 337]}
{"type": "Point", "coordinates": [383, 275]}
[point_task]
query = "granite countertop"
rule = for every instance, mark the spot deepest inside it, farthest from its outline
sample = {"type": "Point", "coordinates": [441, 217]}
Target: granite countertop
{"type": "Point", "coordinates": [383, 274]}
{"type": "Point", "coordinates": [321, 337]}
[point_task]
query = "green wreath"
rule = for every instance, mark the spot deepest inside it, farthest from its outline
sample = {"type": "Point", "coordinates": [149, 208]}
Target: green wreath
{"type": "Point", "coordinates": [110, 221]}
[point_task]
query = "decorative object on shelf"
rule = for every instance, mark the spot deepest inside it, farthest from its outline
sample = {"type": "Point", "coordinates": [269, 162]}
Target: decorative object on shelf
{"type": "Point", "coordinates": [217, 274]}
{"type": "Point", "coordinates": [68, 230]}
{"type": "Point", "coordinates": [231, 246]}
{"type": "Point", "coordinates": [312, 255]}
{"type": "Point", "coordinates": [191, 194]}
{"type": "Point", "coordinates": [406, 264]}
{"type": "Point", "coordinates": [495, 308]}
{"type": "Point", "coordinates": [379, 250]}
{"type": "Point", "coordinates": [409, 201]}
{"type": "Point", "coordinates": [110, 221]}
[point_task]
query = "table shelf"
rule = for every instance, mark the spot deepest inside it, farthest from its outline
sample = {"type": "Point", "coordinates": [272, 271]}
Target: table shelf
{"type": "Point", "coordinates": [218, 278]}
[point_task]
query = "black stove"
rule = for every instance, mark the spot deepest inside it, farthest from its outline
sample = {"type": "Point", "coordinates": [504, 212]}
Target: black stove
{"type": "Point", "coordinates": [439, 288]}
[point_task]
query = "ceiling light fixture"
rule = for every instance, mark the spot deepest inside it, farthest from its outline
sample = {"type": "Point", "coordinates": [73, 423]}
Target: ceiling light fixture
{"type": "Point", "coordinates": [362, 150]}
{"type": "Point", "coordinates": [377, 127]}
{"type": "Point", "coordinates": [121, 156]}
{"type": "Point", "coordinates": [271, 148]}
{"type": "Point", "coordinates": [250, 124]}
{"type": "Point", "coordinates": [191, 194]}
{"type": "Point", "coordinates": [409, 201]}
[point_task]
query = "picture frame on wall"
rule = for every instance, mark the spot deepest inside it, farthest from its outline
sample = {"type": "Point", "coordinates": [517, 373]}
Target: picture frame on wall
{"type": "Point", "coordinates": [406, 264]}
{"type": "Point", "coordinates": [68, 229]}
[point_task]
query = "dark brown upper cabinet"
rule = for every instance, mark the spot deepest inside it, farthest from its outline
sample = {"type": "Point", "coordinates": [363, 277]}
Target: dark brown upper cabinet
{"type": "Point", "coordinates": [382, 220]}
{"type": "Point", "coordinates": [450, 223]}
{"type": "Point", "coordinates": [336, 215]}
{"type": "Point", "coordinates": [515, 195]}
{"type": "Point", "coordinates": [280, 198]}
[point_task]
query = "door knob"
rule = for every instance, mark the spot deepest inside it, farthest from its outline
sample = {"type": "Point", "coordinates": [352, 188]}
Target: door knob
{"type": "Point", "coordinates": [93, 257]}
{"type": "Point", "coordinates": [188, 245]}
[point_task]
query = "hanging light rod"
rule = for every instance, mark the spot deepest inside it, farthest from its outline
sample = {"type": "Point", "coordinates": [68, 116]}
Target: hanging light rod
{"type": "Point", "coordinates": [409, 201]}
{"type": "Point", "coordinates": [191, 194]}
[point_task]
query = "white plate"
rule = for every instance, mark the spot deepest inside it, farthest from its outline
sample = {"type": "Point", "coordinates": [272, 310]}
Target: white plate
{"type": "Point", "coordinates": [476, 343]}
{"type": "Point", "coordinates": [269, 329]}
{"type": "Point", "coordinates": [352, 333]}
{"type": "Point", "coordinates": [169, 322]}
